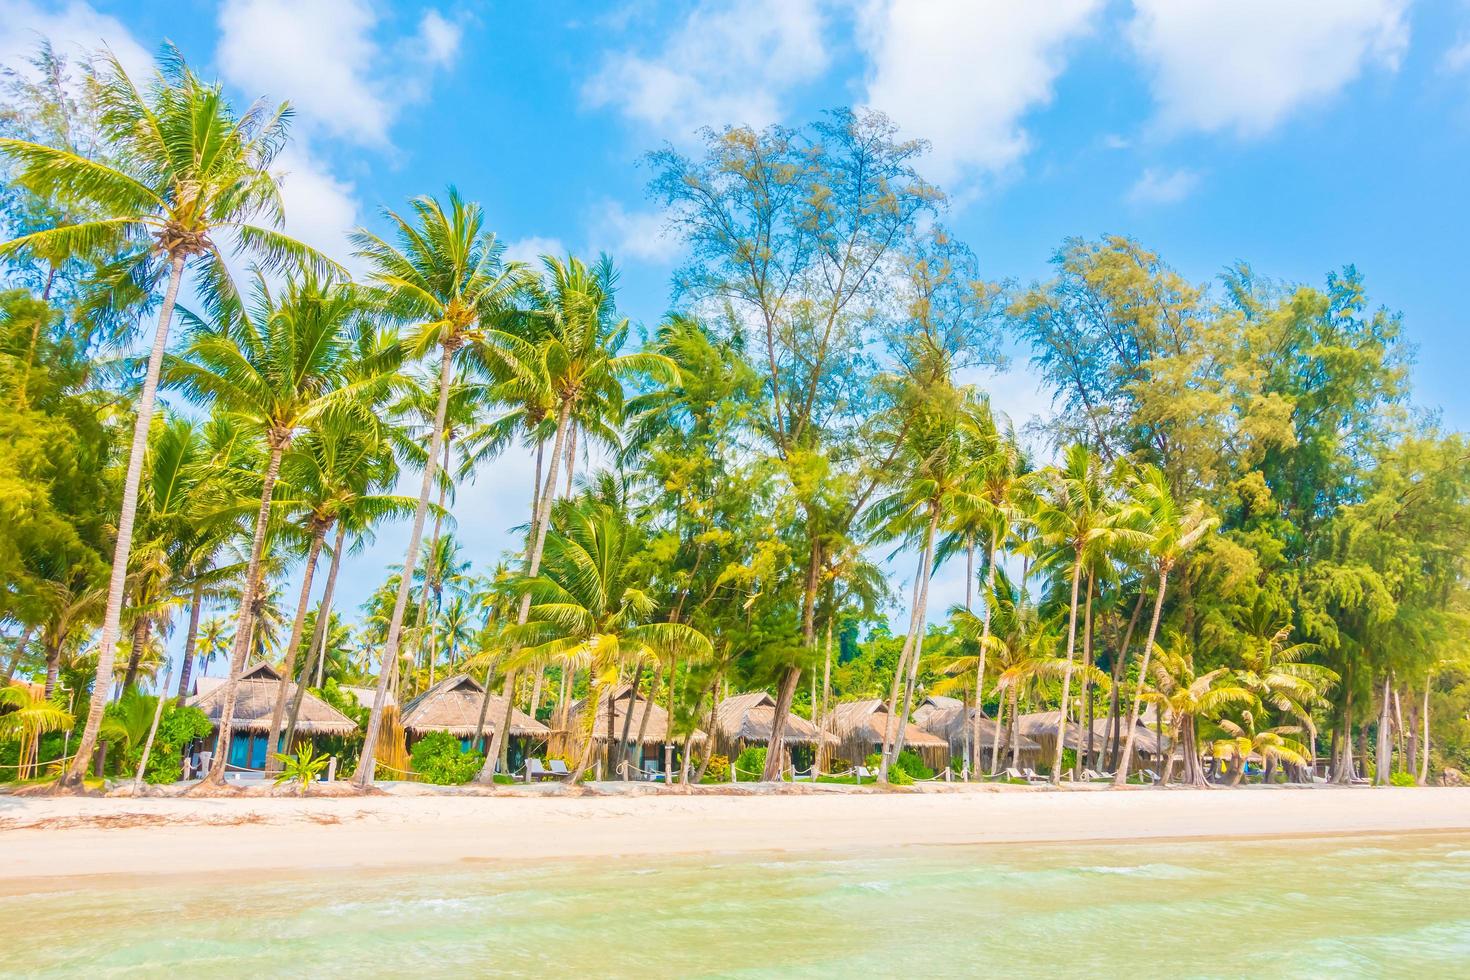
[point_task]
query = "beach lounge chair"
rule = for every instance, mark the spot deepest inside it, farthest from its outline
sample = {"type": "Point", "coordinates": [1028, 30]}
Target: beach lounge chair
{"type": "Point", "coordinates": [863, 772]}
{"type": "Point", "coordinates": [1007, 774]}
{"type": "Point", "coordinates": [559, 769]}
{"type": "Point", "coordinates": [536, 771]}
{"type": "Point", "coordinates": [1032, 776]}
{"type": "Point", "coordinates": [1148, 775]}
{"type": "Point", "coordinates": [1094, 776]}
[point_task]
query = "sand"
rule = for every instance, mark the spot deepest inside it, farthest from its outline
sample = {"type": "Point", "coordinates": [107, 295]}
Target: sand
{"type": "Point", "coordinates": [54, 842]}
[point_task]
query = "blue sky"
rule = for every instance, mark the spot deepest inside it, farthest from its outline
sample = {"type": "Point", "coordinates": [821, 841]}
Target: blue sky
{"type": "Point", "coordinates": [1298, 135]}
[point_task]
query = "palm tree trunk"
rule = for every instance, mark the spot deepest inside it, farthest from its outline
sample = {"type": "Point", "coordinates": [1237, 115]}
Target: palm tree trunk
{"type": "Point", "coordinates": [975, 749]}
{"type": "Point", "coordinates": [1119, 662]}
{"type": "Point", "coordinates": [298, 623]}
{"type": "Point", "coordinates": [1424, 724]}
{"type": "Point", "coordinates": [135, 655]}
{"type": "Point", "coordinates": [1013, 734]}
{"type": "Point", "coordinates": [317, 650]}
{"type": "Point", "coordinates": [365, 767]}
{"type": "Point", "coordinates": [1383, 755]}
{"type": "Point", "coordinates": [1148, 648]}
{"type": "Point", "coordinates": [20, 651]}
{"type": "Point", "coordinates": [786, 691]}
{"type": "Point", "coordinates": [117, 582]}
{"type": "Point", "coordinates": [624, 748]}
{"type": "Point", "coordinates": [53, 667]}
{"type": "Point", "coordinates": [1086, 710]}
{"type": "Point", "coordinates": [431, 565]}
{"type": "Point", "coordinates": [539, 522]}
{"type": "Point", "coordinates": [1056, 764]}
{"type": "Point", "coordinates": [245, 621]}
{"type": "Point", "coordinates": [186, 666]}
{"type": "Point", "coordinates": [900, 670]}
{"type": "Point", "coordinates": [822, 758]}
{"type": "Point", "coordinates": [148, 744]}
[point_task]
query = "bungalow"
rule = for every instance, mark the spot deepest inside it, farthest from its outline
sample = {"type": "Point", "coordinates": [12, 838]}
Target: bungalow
{"type": "Point", "coordinates": [859, 727]}
{"type": "Point", "coordinates": [948, 719]}
{"type": "Point", "coordinates": [743, 720]}
{"type": "Point", "coordinates": [1148, 747]}
{"type": "Point", "coordinates": [649, 731]}
{"type": "Point", "coordinates": [454, 705]}
{"type": "Point", "coordinates": [255, 699]}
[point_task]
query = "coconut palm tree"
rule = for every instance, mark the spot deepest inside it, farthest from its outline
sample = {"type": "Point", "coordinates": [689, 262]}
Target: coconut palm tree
{"type": "Point", "coordinates": [1238, 741]}
{"type": "Point", "coordinates": [26, 718]}
{"type": "Point", "coordinates": [579, 359]}
{"type": "Point", "coordinates": [589, 608]}
{"type": "Point", "coordinates": [216, 640]}
{"type": "Point", "coordinates": [444, 273]}
{"type": "Point", "coordinates": [1078, 521]}
{"type": "Point", "coordinates": [1185, 696]}
{"type": "Point", "coordinates": [1171, 531]}
{"type": "Point", "coordinates": [280, 366]}
{"type": "Point", "coordinates": [1277, 671]}
{"type": "Point", "coordinates": [189, 171]}
{"type": "Point", "coordinates": [333, 467]}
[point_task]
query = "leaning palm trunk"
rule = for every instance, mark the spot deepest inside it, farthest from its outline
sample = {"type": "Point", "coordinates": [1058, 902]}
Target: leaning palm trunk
{"type": "Point", "coordinates": [980, 671]}
{"type": "Point", "coordinates": [539, 522]}
{"type": "Point", "coordinates": [186, 666]}
{"type": "Point", "coordinates": [318, 648]}
{"type": "Point", "coordinates": [112, 618]}
{"type": "Point", "coordinates": [365, 766]}
{"type": "Point", "coordinates": [899, 672]}
{"type": "Point", "coordinates": [1114, 733]}
{"type": "Point", "coordinates": [1383, 749]}
{"type": "Point", "coordinates": [1424, 722]}
{"type": "Point", "coordinates": [20, 651]}
{"type": "Point", "coordinates": [431, 570]}
{"type": "Point", "coordinates": [908, 660]}
{"type": "Point", "coordinates": [298, 623]}
{"type": "Point", "coordinates": [148, 745]}
{"type": "Point", "coordinates": [1056, 762]}
{"type": "Point", "coordinates": [245, 624]}
{"type": "Point", "coordinates": [589, 741]}
{"type": "Point", "coordinates": [1121, 778]}
{"type": "Point", "coordinates": [625, 748]}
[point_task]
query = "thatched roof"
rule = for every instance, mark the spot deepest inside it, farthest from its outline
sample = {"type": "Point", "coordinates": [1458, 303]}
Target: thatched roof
{"type": "Point", "coordinates": [947, 718]}
{"type": "Point", "coordinates": [866, 720]}
{"type": "Point", "coordinates": [1044, 724]}
{"type": "Point", "coordinates": [255, 699]}
{"type": "Point", "coordinates": [751, 717]}
{"type": "Point", "coordinates": [453, 706]}
{"type": "Point", "coordinates": [656, 733]}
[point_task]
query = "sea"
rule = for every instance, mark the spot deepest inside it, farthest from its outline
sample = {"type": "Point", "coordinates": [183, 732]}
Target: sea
{"type": "Point", "coordinates": [1372, 906]}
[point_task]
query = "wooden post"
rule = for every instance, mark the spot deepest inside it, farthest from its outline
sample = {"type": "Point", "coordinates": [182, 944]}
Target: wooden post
{"type": "Point", "coordinates": [668, 764]}
{"type": "Point", "coordinates": [332, 769]}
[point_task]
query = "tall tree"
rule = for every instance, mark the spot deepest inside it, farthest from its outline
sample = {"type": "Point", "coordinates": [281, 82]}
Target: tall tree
{"type": "Point", "coordinates": [189, 170]}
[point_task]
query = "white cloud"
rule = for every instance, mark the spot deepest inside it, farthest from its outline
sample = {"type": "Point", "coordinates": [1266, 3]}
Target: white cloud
{"type": "Point", "coordinates": [529, 250]}
{"type": "Point", "coordinates": [1163, 186]}
{"type": "Point", "coordinates": [1457, 58]}
{"type": "Point", "coordinates": [321, 209]}
{"type": "Point", "coordinates": [638, 235]}
{"type": "Point", "coordinates": [75, 29]}
{"type": "Point", "coordinates": [1245, 65]}
{"type": "Point", "coordinates": [963, 73]}
{"type": "Point", "coordinates": [324, 56]}
{"type": "Point", "coordinates": [724, 63]}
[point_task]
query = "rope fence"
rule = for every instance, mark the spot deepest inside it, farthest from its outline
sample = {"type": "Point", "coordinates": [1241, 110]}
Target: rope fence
{"type": "Point", "coordinates": [39, 765]}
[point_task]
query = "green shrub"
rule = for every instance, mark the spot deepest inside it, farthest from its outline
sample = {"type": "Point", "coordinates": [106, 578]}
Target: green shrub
{"type": "Point", "coordinates": [911, 763]}
{"type": "Point", "coordinates": [438, 759]}
{"type": "Point", "coordinates": [897, 775]}
{"type": "Point", "coordinates": [1401, 779]}
{"type": "Point", "coordinates": [752, 760]}
{"type": "Point", "coordinates": [718, 770]}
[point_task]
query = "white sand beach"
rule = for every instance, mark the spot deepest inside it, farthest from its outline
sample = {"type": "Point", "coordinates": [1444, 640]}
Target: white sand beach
{"type": "Point", "coordinates": [48, 842]}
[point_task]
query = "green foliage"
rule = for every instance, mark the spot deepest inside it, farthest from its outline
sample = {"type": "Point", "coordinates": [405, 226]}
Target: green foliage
{"type": "Point", "coordinates": [179, 726]}
{"type": "Point", "coordinates": [897, 775]}
{"type": "Point", "coordinates": [1401, 779]}
{"type": "Point", "coordinates": [438, 759]}
{"type": "Point", "coordinates": [718, 770]}
{"type": "Point", "coordinates": [750, 763]}
{"type": "Point", "coordinates": [302, 768]}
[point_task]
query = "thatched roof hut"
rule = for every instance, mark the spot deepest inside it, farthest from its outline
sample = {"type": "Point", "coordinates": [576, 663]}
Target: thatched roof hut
{"type": "Point", "coordinates": [255, 699]}
{"type": "Point", "coordinates": [860, 726]}
{"type": "Point", "coordinates": [948, 719]}
{"type": "Point", "coordinates": [453, 705]}
{"type": "Point", "coordinates": [1042, 726]}
{"type": "Point", "coordinates": [742, 720]}
{"type": "Point", "coordinates": [364, 695]}
{"type": "Point", "coordinates": [607, 728]}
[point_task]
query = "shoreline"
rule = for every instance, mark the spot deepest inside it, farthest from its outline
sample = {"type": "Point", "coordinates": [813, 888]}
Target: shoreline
{"type": "Point", "coordinates": [52, 843]}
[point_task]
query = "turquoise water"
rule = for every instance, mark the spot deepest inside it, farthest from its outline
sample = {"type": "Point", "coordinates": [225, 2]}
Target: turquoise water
{"type": "Point", "coordinates": [1349, 907]}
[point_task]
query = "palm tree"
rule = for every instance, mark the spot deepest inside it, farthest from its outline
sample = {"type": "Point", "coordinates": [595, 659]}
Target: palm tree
{"type": "Point", "coordinates": [216, 639]}
{"type": "Point", "coordinates": [28, 718]}
{"type": "Point", "coordinates": [444, 273]}
{"type": "Point", "coordinates": [1079, 522]}
{"type": "Point", "coordinates": [333, 467]}
{"type": "Point", "coordinates": [189, 168]}
{"type": "Point", "coordinates": [1171, 532]}
{"type": "Point", "coordinates": [1242, 740]}
{"type": "Point", "coordinates": [1185, 696]}
{"type": "Point", "coordinates": [1276, 671]}
{"type": "Point", "coordinates": [589, 608]}
{"type": "Point", "coordinates": [280, 366]}
{"type": "Point", "coordinates": [579, 361]}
